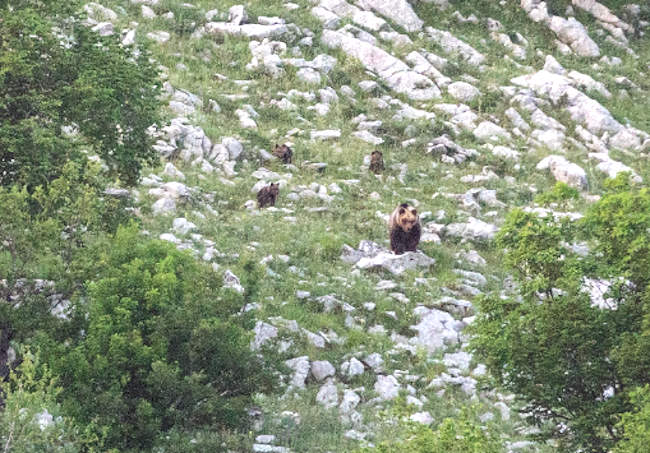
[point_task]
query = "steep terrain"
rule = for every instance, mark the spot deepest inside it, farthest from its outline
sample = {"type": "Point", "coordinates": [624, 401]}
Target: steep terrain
{"type": "Point", "coordinates": [477, 106]}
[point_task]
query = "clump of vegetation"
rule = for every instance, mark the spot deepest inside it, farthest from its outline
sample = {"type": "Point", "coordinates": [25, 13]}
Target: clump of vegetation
{"type": "Point", "coordinates": [561, 193]}
{"type": "Point", "coordinates": [159, 351]}
{"type": "Point", "coordinates": [461, 434]}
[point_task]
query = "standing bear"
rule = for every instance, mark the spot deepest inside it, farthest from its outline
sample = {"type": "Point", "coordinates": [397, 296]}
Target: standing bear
{"type": "Point", "coordinates": [405, 229]}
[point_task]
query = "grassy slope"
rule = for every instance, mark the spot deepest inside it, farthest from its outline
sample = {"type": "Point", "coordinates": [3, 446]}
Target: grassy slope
{"type": "Point", "coordinates": [314, 241]}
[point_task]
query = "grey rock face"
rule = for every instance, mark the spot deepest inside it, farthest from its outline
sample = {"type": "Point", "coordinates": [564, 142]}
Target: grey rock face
{"type": "Point", "coordinates": [451, 44]}
{"type": "Point", "coordinates": [328, 395]}
{"type": "Point", "coordinates": [473, 229]}
{"type": "Point", "coordinates": [387, 387]}
{"type": "Point", "coordinates": [263, 333]}
{"type": "Point", "coordinates": [463, 91]}
{"type": "Point", "coordinates": [395, 73]}
{"type": "Point", "coordinates": [300, 367]}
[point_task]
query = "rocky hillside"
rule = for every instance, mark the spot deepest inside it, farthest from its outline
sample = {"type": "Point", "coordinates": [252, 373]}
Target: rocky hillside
{"type": "Point", "coordinates": [477, 107]}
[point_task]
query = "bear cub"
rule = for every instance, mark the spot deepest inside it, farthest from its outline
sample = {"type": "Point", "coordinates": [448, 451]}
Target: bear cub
{"type": "Point", "coordinates": [376, 162]}
{"type": "Point", "coordinates": [283, 152]}
{"type": "Point", "coordinates": [267, 195]}
{"type": "Point", "coordinates": [405, 229]}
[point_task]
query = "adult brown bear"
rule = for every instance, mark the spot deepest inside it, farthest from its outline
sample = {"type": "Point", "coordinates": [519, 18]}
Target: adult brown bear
{"type": "Point", "coordinates": [405, 229]}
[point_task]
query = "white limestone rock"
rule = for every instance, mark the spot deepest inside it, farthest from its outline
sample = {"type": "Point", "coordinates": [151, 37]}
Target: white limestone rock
{"type": "Point", "coordinates": [463, 91]}
{"type": "Point", "coordinates": [435, 330]}
{"type": "Point", "coordinates": [387, 387]}
{"type": "Point", "coordinates": [399, 11]}
{"type": "Point", "coordinates": [564, 171]}
{"type": "Point", "coordinates": [300, 367]}
{"type": "Point", "coordinates": [251, 31]}
{"type": "Point", "coordinates": [474, 229]}
{"type": "Point", "coordinates": [394, 72]}
{"type": "Point", "coordinates": [322, 369]}
{"type": "Point", "coordinates": [183, 226]}
{"type": "Point", "coordinates": [451, 44]}
{"type": "Point", "coordinates": [263, 333]}
{"type": "Point", "coordinates": [328, 395]}
{"type": "Point", "coordinates": [309, 76]}
{"type": "Point", "coordinates": [487, 131]}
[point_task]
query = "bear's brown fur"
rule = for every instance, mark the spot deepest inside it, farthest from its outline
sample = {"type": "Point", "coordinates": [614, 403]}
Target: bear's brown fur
{"type": "Point", "coordinates": [405, 229]}
{"type": "Point", "coordinates": [267, 195]}
{"type": "Point", "coordinates": [283, 152]}
{"type": "Point", "coordinates": [376, 162]}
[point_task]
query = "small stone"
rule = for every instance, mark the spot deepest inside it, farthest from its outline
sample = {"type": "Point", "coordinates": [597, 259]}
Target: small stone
{"type": "Point", "coordinates": [463, 91]}
{"type": "Point", "coordinates": [424, 418]}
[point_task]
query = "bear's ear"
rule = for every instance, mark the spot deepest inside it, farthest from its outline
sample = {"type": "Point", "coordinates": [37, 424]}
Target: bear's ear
{"type": "Point", "coordinates": [402, 211]}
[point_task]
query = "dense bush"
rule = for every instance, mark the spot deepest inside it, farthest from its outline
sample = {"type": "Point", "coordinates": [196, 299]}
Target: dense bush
{"type": "Point", "coordinates": [163, 347]}
{"type": "Point", "coordinates": [572, 362]}
{"type": "Point", "coordinates": [636, 424]}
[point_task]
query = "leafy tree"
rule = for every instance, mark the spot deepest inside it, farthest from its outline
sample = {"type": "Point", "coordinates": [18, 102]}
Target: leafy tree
{"type": "Point", "coordinates": [46, 236]}
{"type": "Point", "coordinates": [572, 362]}
{"type": "Point", "coordinates": [64, 88]}
{"type": "Point", "coordinates": [160, 350]}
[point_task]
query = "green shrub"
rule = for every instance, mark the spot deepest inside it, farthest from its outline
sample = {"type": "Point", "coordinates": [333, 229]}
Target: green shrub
{"type": "Point", "coordinates": [30, 421]}
{"type": "Point", "coordinates": [454, 435]}
{"type": "Point", "coordinates": [560, 193]}
{"type": "Point", "coordinates": [636, 424]}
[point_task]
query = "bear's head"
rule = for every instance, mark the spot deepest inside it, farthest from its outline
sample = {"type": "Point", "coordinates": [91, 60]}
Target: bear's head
{"type": "Point", "coordinates": [407, 217]}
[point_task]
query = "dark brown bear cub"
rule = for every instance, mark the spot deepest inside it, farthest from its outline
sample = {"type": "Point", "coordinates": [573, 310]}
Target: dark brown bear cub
{"type": "Point", "coordinates": [405, 229]}
{"type": "Point", "coordinates": [376, 162]}
{"type": "Point", "coordinates": [267, 195]}
{"type": "Point", "coordinates": [283, 152]}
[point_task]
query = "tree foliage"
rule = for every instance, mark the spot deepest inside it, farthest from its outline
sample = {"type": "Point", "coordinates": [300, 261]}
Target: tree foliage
{"type": "Point", "coordinates": [64, 89]}
{"type": "Point", "coordinates": [571, 354]}
{"type": "Point", "coordinates": [636, 423]}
